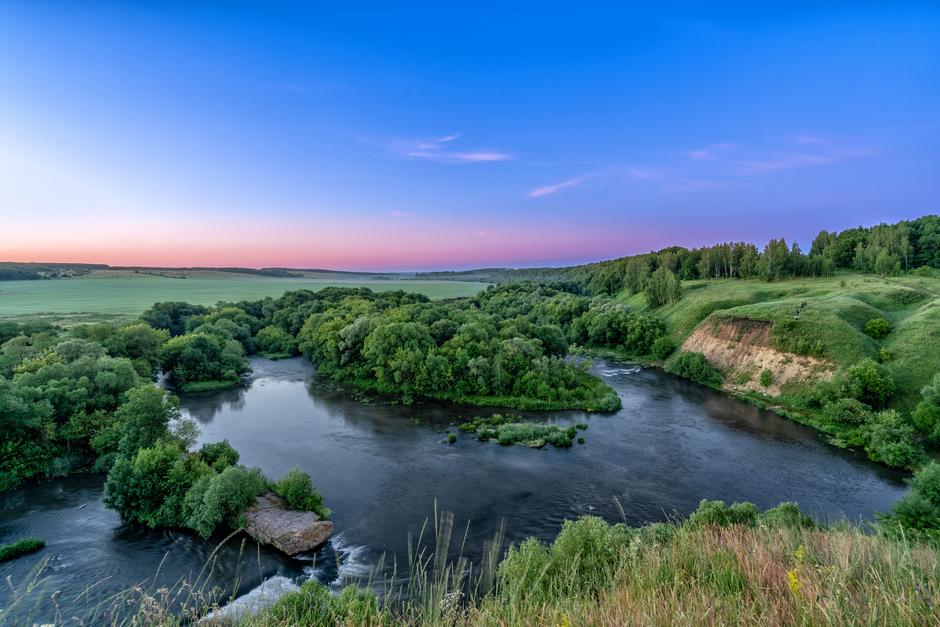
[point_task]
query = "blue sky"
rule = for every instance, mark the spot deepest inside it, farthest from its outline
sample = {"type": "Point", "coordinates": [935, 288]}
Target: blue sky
{"type": "Point", "coordinates": [427, 136]}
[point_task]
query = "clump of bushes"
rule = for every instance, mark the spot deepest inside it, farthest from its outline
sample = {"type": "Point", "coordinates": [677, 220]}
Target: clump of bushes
{"type": "Point", "coordinates": [920, 508]}
{"type": "Point", "coordinates": [889, 438]}
{"type": "Point", "coordinates": [746, 514]}
{"type": "Point", "coordinates": [19, 548]}
{"type": "Point", "coordinates": [157, 481]}
{"type": "Point", "coordinates": [927, 413]}
{"type": "Point", "coordinates": [766, 378]}
{"type": "Point", "coordinates": [847, 411]}
{"type": "Point", "coordinates": [663, 347]}
{"type": "Point", "coordinates": [877, 328]}
{"type": "Point", "coordinates": [511, 430]}
{"type": "Point", "coordinates": [694, 366]}
{"type": "Point", "coordinates": [869, 382]}
{"type": "Point", "coordinates": [297, 492]}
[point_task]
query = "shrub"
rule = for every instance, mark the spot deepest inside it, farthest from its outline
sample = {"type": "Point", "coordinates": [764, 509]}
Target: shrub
{"type": "Point", "coordinates": [582, 426]}
{"type": "Point", "coordinates": [663, 347]}
{"type": "Point", "coordinates": [884, 355]}
{"type": "Point", "coordinates": [718, 513]}
{"type": "Point", "coordinates": [220, 499]}
{"type": "Point", "coordinates": [582, 560]}
{"type": "Point", "coordinates": [20, 548]}
{"type": "Point", "coordinates": [219, 455]}
{"type": "Point", "coordinates": [920, 508]}
{"type": "Point", "coordinates": [877, 328]}
{"type": "Point", "coordinates": [766, 378]}
{"type": "Point", "coordinates": [869, 382]}
{"type": "Point", "coordinates": [451, 438]}
{"type": "Point", "coordinates": [892, 440]}
{"type": "Point", "coordinates": [847, 411]}
{"type": "Point", "coordinates": [297, 491]}
{"type": "Point", "coordinates": [927, 413]}
{"type": "Point", "coordinates": [580, 440]}
{"type": "Point", "coordinates": [786, 515]}
{"type": "Point", "coordinates": [694, 366]}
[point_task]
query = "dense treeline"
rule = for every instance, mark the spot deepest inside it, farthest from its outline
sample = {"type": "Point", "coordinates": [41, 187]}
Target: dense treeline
{"type": "Point", "coordinates": [886, 249]}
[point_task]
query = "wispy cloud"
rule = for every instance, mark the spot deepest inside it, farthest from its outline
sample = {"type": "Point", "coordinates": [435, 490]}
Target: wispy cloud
{"type": "Point", "coordinates": [438, 149]}
{"type": "Point", "coordinates": [709, 152]}
{"type": "Point", "coordinates": [607, 173]}
{"type": "Point", "coordinates": [802, 150]}
{"type": "Point", "coordinates": [548, 190]}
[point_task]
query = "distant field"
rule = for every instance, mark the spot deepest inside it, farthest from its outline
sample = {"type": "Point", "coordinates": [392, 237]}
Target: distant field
{"type": "Point", "coordinates": [122, 294]}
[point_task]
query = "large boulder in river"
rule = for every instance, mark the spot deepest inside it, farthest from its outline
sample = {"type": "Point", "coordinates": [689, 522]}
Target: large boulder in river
{"type": "Point", "coordinates": [269, 521]}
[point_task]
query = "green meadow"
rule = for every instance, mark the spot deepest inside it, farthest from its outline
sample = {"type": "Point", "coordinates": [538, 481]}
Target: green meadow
{"type": "Point", "coordinates": [833, 313]}
{"type": "Point", "coordinates": [116, 295]}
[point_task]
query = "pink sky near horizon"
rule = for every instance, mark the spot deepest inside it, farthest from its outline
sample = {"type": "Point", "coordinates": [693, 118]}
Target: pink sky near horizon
{"type": "Point", "coordinates": [395, 245]}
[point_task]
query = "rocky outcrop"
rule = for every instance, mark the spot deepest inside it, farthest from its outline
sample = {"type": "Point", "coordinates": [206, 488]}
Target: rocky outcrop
{"type": "Point", "coordinates": [742, 348]}
{"type": "Point", "coordinates": [269, 521]}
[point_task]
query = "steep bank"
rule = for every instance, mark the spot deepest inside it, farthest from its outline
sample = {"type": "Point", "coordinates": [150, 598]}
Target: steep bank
{"type": "Point", "coordinates": [743, 349]}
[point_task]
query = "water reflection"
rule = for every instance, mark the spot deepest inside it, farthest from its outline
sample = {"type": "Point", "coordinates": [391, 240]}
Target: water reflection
{"type": "Point", "coordinates": [383, 467]}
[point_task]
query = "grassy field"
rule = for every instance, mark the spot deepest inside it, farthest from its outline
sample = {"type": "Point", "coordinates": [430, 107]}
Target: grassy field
{"type": "Point", "coordinates": [833, 314]}
{"type": "Point", "coordinates": [115, 295]}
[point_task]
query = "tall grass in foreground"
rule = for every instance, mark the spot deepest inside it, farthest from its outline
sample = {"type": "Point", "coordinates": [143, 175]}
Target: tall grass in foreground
{"type": "Point", "coordinates": [724, 565]}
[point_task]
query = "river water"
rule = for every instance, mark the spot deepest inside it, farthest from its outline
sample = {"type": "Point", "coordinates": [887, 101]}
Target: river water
{"type": "Point", "coordinates": [383, 468]}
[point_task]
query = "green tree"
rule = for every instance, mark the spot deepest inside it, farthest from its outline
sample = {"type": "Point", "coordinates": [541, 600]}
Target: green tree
{"type": "Point", "coordinates": [663, 288]}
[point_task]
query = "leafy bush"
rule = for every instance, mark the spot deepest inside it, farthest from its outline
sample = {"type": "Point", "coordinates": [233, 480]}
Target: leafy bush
{"type": "Point", "coordinates": [694, 366]}
{"type": "Point", "coordinates": [296, 489]}
{"type": "Point", "coordinates": [877, 328]}
{"type": "Point", "coordinates": [581, 560]}
{"type": "Point", "coordinates": [847, 411]}
{"type": "Point", "coordinates": [786, 515]}
{"type": "Point", "coordinates": [219, 455]}
{"type": "Point", "coordinates": [868, 382]}
{"type": "Point", "coordinates": [920, 507]}
{"type": "Point", "coordinates": [451, 438]}
{"type": "Point", "coordinates": [927, 413]}
{"type": "Point", "coordinates": [718, 513]}
{"type": "Point", "coordinates": [221, 499]}
{"type": "Point", "coordinates": [766, 378]}
{"type": "Point", "coordinates": [663, 347]}
{"type": "Point", "coordinates": [890, 439]}
{"type": "Point", "coordinates": [20, 548]}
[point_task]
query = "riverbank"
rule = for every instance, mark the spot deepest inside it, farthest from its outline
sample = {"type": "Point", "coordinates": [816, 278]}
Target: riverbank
{"type": "Point", "coordinates": [723, 565]}
{"type": "Point", "coordinates": [786, 346]}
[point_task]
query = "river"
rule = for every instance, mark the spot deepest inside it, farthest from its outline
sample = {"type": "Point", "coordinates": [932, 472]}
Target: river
{"type": "Point", "coordinates": [382, 468]}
